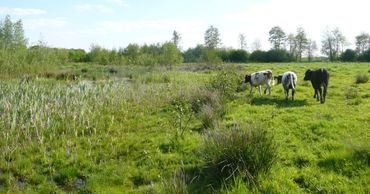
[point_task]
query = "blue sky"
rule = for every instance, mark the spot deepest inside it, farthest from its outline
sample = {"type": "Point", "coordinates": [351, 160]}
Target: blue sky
{"type": "Point", "coordinates": [116, 23]}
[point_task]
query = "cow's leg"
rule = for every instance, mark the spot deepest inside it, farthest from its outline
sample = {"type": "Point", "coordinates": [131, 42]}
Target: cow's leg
{"type": "Point", "coordinates": [251, 91]}
{"type": "Point", "coordinates": [293, 91]}
{"type": "Point", "coordinates": [286, 94]}
{"type": "Point", "coordinates": [268, 88]}
{"type": "Point", "coordinates": [321, 99]}
{"type": "Point", "coordinates": [260, 89]}
{"type": "Point", "coordinates": [325, 91]}
{"type": "Point", "coordinates": [317, 94]}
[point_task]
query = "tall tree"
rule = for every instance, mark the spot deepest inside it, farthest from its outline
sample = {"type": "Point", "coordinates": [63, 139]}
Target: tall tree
{"type": "Point", "coordinates": [176, 39]}
{"type": "Point", "coordinates": [292, 44]}
{"type": "Point", "coordinates": [312, 47]}
{"type": "Point", "coordinates": [7, 31]}
{"type": "Point", "coordinates": [339, 42]}
{"type": "Point", "coordinates": [302, 42]}
{"type": "Point", "coordinates": [242, 42]}
{"type": "Point", "coordinates": [328, 45]}
{"type": "Point", "coordinates": [12, 34]}
{"type": "Point", "coordinates": [212, 38]}
{"type": "Point", "coordinates": [362, 42]}
{"type": "Point", "coordinates": [277, 37]}
{"type": "Point", "coordinates": [19, 39]}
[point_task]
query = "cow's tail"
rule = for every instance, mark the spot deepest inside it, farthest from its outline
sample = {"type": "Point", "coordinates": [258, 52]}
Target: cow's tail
{"type": "Point", "coordinates": [292, 81]}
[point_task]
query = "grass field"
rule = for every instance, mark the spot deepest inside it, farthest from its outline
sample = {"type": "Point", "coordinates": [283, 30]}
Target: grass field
{"type": "Point", "coordinates": [138, 130]}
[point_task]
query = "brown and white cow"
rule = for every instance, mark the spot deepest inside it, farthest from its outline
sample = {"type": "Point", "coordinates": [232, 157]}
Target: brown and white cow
{"type": "Point", "coordinates": [289, 81]}
{"type": "Point", "coordinates": [258, 79]}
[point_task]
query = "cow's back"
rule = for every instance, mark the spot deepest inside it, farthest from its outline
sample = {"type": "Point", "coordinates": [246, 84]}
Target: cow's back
{"type": "Point", "coordinates": [260, 78]}
{"type": "Point", "coordinates": [320, 77]}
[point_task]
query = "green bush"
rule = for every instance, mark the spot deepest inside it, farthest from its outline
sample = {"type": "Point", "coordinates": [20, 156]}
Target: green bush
{"type": "Point", "coordinates": [226, 82]}
{"type": "Point", "coordinates": [211, 56]}
{"type": "Point", "coordinates": [349, 55]}
{"type": "Point", "coordinates": [240, 152]}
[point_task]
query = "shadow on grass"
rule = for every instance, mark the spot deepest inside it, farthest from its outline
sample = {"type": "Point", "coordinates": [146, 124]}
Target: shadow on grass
{"type": "Point", "coordinates": [203, 180]}
{"type": "Point", "coordinates": [282, 103]}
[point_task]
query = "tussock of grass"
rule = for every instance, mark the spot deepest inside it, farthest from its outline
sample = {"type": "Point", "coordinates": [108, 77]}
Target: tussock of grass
{"type": "Point", "coordinates": [362, 78]}
{"type": "Point", "coordinates": [246, 152]}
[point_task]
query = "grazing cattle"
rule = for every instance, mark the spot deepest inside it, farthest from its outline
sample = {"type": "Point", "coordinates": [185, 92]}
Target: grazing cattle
{"type": "Point", "coordinates": [318, 78]}
{"type": "Point", "coordinates": [289, 81]}
{"type": "Point", "coordinates": [258, 79]}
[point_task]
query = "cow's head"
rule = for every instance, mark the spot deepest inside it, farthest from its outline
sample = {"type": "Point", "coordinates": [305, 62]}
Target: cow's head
{"type": "Point", "coordinates": [247, 78]}
{"type": "Point", "coordinates": [279, 79]}
{"type": "Point", "coordinates": [307, 75]}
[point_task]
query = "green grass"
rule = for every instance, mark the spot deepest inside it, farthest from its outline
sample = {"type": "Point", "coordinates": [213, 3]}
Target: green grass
{"type": "Point", "coordinates": [115, 130]}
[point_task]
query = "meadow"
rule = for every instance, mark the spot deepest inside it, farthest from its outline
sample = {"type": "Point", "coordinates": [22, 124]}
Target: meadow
{"type": "Point", "coordinates": [85, 128]}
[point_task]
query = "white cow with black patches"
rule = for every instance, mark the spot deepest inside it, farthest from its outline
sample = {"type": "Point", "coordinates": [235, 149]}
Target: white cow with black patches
{"type": "Point", "coordinates": [258, 79]}
{"type": "Point", "coordinates": [289, 81]}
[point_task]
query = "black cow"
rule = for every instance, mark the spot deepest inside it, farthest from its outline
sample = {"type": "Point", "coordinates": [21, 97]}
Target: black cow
{"type": "Point", "coordinates": [318, 78]}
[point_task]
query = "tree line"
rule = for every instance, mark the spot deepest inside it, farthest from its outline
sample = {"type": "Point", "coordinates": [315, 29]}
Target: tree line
{"type": "Point", "coordinates": [16, 54]}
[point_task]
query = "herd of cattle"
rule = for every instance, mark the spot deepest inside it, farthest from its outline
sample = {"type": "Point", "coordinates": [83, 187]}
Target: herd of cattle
{"type": "Point", "coordinates": [319, 80]}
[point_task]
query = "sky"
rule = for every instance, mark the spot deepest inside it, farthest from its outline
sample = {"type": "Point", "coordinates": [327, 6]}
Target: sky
{"type": "Point", "coordinates": [117, 23]}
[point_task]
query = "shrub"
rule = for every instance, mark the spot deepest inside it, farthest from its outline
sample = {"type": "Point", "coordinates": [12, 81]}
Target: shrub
{"type": "Point", "coordinates": [209, 106]}
{"type": "Point", "coordinates": [226, 82]}
{"type": "Point", "coordinates": [351, 93]}
{"type": "Point", "coordinates": [277, 55]}
{"type": "Point", "coordinates": [365, 57]}
{"type": "Point", "coordinates": [209, 117]}
{"type": "Point", "coordinates": [362, 78]}
{"type": "Point", "coordinates": [182, 115]}
{"type": "Point", "coordinates": [193, 55]}
{"type": "Point", "coordinates": [238, 56]}
{"type": "Point", "coordinates": [239, 152]}
{"type": "Point", "coordinates": [258, 56]}
{"type": "Point", "coordinates": [349, 56]}
{"type": "Point", "coordinates": [211, 56]}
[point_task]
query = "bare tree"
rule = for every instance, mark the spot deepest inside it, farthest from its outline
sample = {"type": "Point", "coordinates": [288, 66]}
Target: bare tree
{"type": "Point", "coordinates": [333, 43]}
{"type": "Point", "coordinates": [277, 37]}
{"type": "Point", "coordinates": [256, 45]}
{"type": "Point", "coordinates": [242, 42]}
{"type": "Point", "coordinates": [312, 47]}
{"type": "Point", "coordinates": [327, 45]}
{"type": "Point", "coordinates": [176, 39]}
{"type": "Point", "coordinates": [340, 41]}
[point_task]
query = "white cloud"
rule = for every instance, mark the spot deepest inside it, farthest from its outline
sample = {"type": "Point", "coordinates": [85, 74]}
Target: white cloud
{"type": "Point", "coordinates": [42, 23]}
{"type": "Point", "coordinates": [121, 3]}
{"type": "Point", "coordinates": [21, 11]}
{"type": "Point", "coordinates": [94, 7]}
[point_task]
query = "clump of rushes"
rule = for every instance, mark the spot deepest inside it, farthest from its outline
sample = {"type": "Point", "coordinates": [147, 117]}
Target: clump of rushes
{"type": "Point", "coordinates": [245, 152]}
